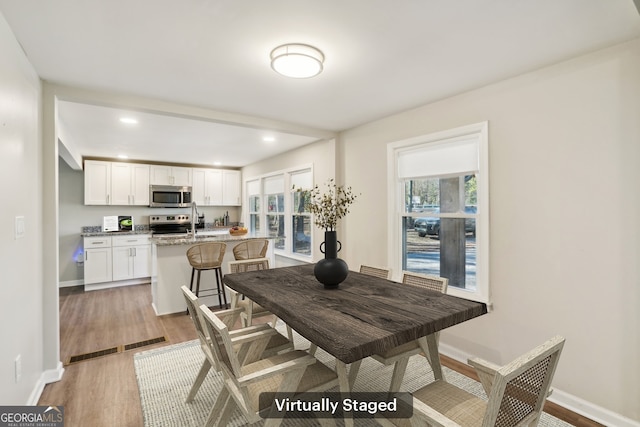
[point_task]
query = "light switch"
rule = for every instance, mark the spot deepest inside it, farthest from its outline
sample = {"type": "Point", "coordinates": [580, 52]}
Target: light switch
{"type": "Point", "coordinates": [19, 227]}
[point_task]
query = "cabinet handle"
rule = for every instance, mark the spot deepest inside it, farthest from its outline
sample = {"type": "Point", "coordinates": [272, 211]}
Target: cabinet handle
{"type": "Point", "coordinates": [133, 199]}
{"type": "Point", "coordinates": [86, 256]}
{"type": "Point", "coordinates": [135, 252]}
{"type": "Point", "coordinates": [108, 199]}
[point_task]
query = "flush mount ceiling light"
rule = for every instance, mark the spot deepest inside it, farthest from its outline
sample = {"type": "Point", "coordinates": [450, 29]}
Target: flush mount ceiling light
{"type": "Point", "coordinates": [300, 61]}
{"type": "Point", "coordinates": [128, 120]}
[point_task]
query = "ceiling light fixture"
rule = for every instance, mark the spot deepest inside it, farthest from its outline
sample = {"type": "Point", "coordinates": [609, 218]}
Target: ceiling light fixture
{"type": "Point", "coordinates": [268, 139]}
{"type": "Point", "coordinates": [295, 60]}
{"type": "Point", "coordinates": [128, 120]}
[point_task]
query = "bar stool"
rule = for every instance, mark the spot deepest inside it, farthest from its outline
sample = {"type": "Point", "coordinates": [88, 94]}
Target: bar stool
{"type": "Point", "coordinates": [250, 249]}
{"type": "Point", "coordinates": [208, 256]}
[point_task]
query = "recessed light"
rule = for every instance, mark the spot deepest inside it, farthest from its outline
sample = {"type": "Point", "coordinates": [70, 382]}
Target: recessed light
{"type": "Point", "coordinates": [268, 139]}
{"type": "Point", "coordinates": [128, 120]}
{"type": "Point", "coordinates": [217, 163]}
{"type": "Point", "coordinates": [123, 156]}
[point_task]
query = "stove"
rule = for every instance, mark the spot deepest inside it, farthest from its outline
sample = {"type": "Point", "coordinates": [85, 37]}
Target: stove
{"type": "Point", "coordinates": [170, 224]}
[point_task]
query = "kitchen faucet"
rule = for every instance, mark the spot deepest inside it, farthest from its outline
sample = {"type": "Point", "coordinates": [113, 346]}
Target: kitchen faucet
{"type": "Point", "coordinates": [194, 215]}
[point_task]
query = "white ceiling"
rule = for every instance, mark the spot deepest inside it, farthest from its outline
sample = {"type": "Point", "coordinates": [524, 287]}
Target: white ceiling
{"type": "Point", "coordinates": [382, 57]}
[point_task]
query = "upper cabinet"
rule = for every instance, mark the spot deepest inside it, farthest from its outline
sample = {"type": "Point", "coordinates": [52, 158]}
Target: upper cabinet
{"type": "Point", "coordinates": [97, 182]}
{"type": "Point", "coordinates": [127, 184]}
{"type": "Point", "coordinates": [171, 175]}
{"type": "Point", "coordinates": [207, 187]}
{"type": "Point", "coordinates": [231, 184]}
{"type": "Point", "coordinates": [111, 183]}
{"type": "Point", "coordinates": [217, 187]}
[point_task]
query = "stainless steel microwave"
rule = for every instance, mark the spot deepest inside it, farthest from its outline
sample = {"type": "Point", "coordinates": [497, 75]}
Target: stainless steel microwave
{"type": "Point", "coordinates": [169, 196]}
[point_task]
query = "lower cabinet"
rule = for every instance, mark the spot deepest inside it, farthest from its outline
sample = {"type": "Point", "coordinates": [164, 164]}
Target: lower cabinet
{"type": "Point", "coordinates": [111, 259]}
{"type": "Point", "coordinates": [97, 260]}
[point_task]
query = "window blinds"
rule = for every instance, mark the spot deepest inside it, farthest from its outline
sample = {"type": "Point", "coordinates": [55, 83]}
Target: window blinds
{"type": "Point", "coordinates": [452, 157]}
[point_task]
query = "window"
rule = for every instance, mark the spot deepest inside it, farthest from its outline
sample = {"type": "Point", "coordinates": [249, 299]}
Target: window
{"type": "Point", "coordinates": [439, 198]}
{"type": "Point", "coordinates": [274, 194]}
{"type": "Point", "coordinates": [301, 224]}
{"type": "Point", "coordinates": [253, 192]}
{"type": "Point", "coordinates": [283, 213]}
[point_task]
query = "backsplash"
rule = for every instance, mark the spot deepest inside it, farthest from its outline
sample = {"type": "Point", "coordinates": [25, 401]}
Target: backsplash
{"type": "Point", "coordinates": [98, 228]}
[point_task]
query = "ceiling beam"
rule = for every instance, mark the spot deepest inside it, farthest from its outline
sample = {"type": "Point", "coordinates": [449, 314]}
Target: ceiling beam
{"type": "Point", "coordinates": [160, 107]}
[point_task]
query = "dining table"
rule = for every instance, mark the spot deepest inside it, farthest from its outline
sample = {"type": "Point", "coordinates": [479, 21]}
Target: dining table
{"type": "Point", "coordinates": [362, 316]}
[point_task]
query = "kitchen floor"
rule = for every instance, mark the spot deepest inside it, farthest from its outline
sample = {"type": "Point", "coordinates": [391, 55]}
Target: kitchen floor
{"type": "Point", "coordinates": [102, 390]}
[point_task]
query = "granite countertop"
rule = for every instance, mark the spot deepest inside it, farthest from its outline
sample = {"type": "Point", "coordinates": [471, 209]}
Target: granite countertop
{"type": "Point", "coordinates": [96, 231]}
{"type": "Point", "coordinates": [205, 237]}
{"type": "Point", "coordinates": [113, 233]}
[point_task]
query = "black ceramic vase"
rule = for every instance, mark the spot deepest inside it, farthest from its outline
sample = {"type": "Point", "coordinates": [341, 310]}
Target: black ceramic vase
{"type": "Point", "coordinates": [331, 271]}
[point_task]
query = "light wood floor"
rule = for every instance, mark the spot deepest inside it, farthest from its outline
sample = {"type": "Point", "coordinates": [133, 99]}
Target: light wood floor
{"type": "Point", "coordinates": [103, 391]}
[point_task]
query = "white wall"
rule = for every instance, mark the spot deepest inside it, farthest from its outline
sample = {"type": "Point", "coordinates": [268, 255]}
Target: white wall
{"type": "Point", "coordinates": [565, 217]}
{"type": "Point", "coordinates": [21, 291]}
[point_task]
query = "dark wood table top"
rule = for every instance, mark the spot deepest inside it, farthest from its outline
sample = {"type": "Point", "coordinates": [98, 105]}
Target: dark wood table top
{"type": "Point", "coordinates": [363, 316]}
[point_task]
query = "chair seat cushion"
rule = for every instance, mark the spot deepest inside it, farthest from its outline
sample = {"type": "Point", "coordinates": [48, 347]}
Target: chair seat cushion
{"type": "Point", "coordinates": [456, 404]}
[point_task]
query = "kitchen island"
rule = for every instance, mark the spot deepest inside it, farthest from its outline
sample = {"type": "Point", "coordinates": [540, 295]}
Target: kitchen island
{"type": "Point", "coordinates": [170, 268]}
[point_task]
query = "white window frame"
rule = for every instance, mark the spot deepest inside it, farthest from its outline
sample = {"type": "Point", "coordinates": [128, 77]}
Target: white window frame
{"type": "Point", "coordinates": [396, 202]}
{"type": "Point", "coordinates": [288, 209]}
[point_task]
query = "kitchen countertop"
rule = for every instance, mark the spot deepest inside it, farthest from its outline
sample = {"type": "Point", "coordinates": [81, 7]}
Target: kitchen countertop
{"type": "Point", "coordinates": [204, 237]}
{"type": "Point", "coordinates": [114, 233]}
{"type": "Point", "coordinates": [144, 229]}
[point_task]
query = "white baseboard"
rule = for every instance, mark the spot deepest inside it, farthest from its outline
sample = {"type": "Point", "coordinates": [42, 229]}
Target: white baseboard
{"type": "Point", "coordinates": [596, 413]}
{"type": "Point", "coordinates": [47, 377]}
{"type": "Point", "coordinates": [70, 283]}
{"type": "Point", "coordinates": [566, 400]}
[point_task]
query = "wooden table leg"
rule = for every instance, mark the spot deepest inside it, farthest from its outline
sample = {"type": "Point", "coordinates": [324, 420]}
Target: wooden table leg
{"type": "Point", "coordinates": [429, 345]}
{"type": "Point", "coordinates": [353, 372]}
{"type": "Point", "coordinates": [344, 384]}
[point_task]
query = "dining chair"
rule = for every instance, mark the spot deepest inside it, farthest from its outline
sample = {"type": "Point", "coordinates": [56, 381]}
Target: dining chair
{"type": "Point", "coordinates": [247, 375]}
{"type": "Point", "coordinates": [383, 273]}
{"type": "Point", "coordinates": [399, 356]}
{"type": "Point", "coordinates": [250, 249]}
{"type": "Point", "coordinates": [276, 344]}
{"type": "Point", "coordinates": [251, 309]}
{"type": "Point", "coordinates": [516, 393]}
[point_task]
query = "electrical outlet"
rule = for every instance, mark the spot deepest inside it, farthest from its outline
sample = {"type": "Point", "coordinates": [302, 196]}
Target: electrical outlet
{"type": "Point", "coordinates": [18, 368]}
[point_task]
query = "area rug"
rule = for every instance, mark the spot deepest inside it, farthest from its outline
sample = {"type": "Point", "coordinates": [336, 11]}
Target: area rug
{"type": "Point", "coordinates": [165, 376]}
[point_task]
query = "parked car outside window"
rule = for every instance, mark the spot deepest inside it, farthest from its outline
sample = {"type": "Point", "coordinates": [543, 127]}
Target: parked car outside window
{"type": "Point", "coordinates": [431, 225]}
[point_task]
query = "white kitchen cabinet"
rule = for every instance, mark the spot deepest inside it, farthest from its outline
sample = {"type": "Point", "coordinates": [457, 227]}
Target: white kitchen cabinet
{"type": "Point", "coordinates": [131, 257]}
{"type": "Point", "coordinates": [130, 184]}
{"type": "Point", "coordinates": [207, 187]}
{"type": "Point", "coordinates": [171, 175]}
{"type": "Point", "coordinates": [97, 182]}
{"type": "Point", "coordinates": [231, 188]}
{"type": "Point", "coordinates": [97, 260]}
